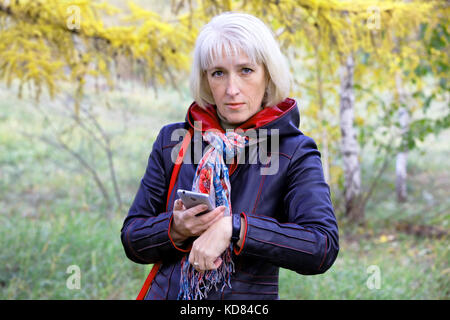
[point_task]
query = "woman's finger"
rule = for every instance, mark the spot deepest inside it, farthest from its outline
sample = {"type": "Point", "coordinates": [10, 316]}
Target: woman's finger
{"type": "Point", "coordinates": [192, 259]}
{"type": "Point", "coordinates": [212, 215]}
{"type": "Point", "coordinates": [178, 205]}
{"type": "Point", "coordinates": [204, 263]}
{"type": "Point", "coordinates": [212, 264]}
{"type": "Point", "coordinates": [196, 210]}
{"type": "Point", "coordinates": [218, 262]}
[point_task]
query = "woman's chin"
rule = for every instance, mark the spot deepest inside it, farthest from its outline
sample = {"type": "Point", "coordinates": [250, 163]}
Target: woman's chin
{"type": "Point", "coordinates": [236, 122]}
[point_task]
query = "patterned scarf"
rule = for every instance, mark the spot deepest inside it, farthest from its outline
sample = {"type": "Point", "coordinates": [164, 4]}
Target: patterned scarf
{"type": "Point", "coordinates": [211, 177]}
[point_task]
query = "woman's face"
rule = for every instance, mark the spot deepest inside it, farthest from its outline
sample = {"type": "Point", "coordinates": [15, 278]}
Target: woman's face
{"type": "Point", "coordinates": [237, 86]}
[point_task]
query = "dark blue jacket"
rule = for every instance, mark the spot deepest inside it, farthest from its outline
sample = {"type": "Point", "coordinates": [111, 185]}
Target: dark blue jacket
{"type": "Point", "coordinates": [290, 218]}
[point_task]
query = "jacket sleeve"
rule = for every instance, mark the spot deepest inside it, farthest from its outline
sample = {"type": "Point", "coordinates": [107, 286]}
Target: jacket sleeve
{"type": "Point", "coordinates": [145, 232]}
{"type": "Point", "coordinates": [308, 243]}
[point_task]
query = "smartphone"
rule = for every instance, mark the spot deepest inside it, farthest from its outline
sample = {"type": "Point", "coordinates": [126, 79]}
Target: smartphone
{"type": "Point", "coordinates": [192, 199]}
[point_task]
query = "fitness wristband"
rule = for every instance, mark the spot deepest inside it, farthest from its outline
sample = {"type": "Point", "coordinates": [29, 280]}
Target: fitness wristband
{"type": "Point", "coordinates": [235, 233]}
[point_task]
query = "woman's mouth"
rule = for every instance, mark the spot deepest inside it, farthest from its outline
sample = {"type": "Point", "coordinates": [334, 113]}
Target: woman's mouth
{"type": "Point", "coordinates": [236, 105]}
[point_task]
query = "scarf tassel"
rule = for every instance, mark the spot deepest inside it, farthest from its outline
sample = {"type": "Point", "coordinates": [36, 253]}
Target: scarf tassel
{"type": "Point", "coordinates": [195, 285]}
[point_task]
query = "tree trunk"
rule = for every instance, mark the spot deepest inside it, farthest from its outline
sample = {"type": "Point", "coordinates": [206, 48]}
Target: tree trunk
{"type": "Point", "coordinates": [349, 144]}
{"type": "Point", "coordinates": [402, 157]}
{"type": "Point", "coordinates": [324, 139]}
{"type": "Point", "coordinates": [325, 156]}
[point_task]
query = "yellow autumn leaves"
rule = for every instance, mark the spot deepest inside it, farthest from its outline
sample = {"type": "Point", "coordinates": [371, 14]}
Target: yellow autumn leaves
{"type": "Point", "coordinates": [47, 41]}
{"type": "Point", "coordinates": [44, 42]}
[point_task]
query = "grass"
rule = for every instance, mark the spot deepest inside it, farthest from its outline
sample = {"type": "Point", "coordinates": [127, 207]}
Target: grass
{"type": "Point", "coordinates": [52, 215]}
{"type": "Point", "coordinates": [409, 268]}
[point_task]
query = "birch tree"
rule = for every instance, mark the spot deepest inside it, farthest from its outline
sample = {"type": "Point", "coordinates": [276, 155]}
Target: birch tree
{"type": "Point", "coordinates": [402, 156]}
{"type": "Point", "coordinates": [349, 143]}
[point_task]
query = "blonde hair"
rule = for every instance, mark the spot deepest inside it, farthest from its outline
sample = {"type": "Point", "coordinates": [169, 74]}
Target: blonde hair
{"type": "Point", "coordinates": [230, 33]}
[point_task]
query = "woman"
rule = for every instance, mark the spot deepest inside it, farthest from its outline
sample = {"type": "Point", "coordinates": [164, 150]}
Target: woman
{"type": "Point", "coordinates": [263, 220]}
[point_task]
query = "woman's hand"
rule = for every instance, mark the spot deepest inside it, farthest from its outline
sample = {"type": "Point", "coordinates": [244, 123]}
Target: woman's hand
{"type": "Point", "coordinates": [207, 249]}
{"type": "Point", "coordinates": [186, 224]}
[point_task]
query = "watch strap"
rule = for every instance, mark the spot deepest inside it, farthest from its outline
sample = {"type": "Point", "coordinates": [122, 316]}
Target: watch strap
{"type": "Point", "coordinates": [236, 231]}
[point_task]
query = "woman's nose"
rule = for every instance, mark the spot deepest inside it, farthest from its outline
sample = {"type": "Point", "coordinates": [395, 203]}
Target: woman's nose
{"type": "Point", "coordinates": [232, 86]}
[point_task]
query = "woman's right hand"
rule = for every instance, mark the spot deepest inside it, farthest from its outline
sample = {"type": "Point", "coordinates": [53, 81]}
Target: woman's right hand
{"type": "Point", "coordinates": [186, 224]}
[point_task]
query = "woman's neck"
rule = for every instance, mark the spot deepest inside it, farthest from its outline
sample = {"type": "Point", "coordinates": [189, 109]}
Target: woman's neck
{"type": "Point", "coordinates": [225, 124]}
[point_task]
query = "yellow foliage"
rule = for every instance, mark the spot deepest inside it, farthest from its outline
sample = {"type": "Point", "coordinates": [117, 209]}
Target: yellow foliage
{"type": "Point", "coordinates": [48, 41]}
{"type": "Point", "coordinates": [42, 38]}
{"type": "Point", "coordinates": [359, 121]}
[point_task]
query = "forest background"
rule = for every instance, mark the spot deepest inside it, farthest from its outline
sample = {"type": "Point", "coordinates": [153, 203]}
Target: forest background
{"type": "Point", "coordinates": [85, 87]}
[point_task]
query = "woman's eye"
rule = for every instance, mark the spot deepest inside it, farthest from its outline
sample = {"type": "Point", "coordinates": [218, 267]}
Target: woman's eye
{"type": "Point", "coordinates": [247, 70]}
{"type": "Point", "coordinates": [217, 73]}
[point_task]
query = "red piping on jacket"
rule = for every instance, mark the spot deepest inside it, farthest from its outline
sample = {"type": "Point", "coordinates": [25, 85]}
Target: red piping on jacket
{"type": "Point", "coordinates": [238, 252]}
{"type": "Point", "coordinates": [186, 140]}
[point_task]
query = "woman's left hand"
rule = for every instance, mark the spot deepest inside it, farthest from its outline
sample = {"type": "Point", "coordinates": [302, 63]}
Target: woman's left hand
{"type": "Point", "coordinates": [206, 249]}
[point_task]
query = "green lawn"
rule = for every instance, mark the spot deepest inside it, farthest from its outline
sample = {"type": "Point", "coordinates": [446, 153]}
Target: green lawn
{"type": "Point", "coordinates": [52, 215]}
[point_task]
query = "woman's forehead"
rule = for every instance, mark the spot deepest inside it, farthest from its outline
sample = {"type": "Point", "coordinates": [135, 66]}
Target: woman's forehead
{"type": "Point", "coordinates": [227, 54]}
{"type": "Point", "coordinates": [235, 60]}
